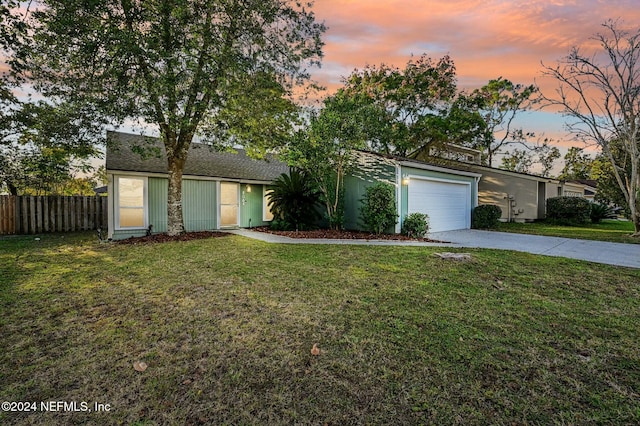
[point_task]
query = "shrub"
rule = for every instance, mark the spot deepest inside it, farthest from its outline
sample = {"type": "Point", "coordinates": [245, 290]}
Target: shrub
{"type": "Point", "coordinates": [415, 225]}
{"type": "Point", "coordinates": [378, 212]}
{"type": "Point", "coordinates": [294, 198]}
{"type": "Point", "coordinates": [601, 211]}
{"type": "Point", "coordinates": [280, 225]}
{"type": "Point", "coordinates": [568, 210]}
{"type": "Point", "coordinates": [485, 216]}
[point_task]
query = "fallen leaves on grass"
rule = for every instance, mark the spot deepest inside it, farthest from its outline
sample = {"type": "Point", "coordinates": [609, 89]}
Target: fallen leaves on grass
{"type": "Point", "coordinates": [315, 350]}
{"type": "Point", "coordinates": [140, 366]}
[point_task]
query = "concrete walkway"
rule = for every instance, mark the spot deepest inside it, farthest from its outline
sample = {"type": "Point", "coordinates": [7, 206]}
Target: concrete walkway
{"type": "Point", "coordinates": [617, 254]}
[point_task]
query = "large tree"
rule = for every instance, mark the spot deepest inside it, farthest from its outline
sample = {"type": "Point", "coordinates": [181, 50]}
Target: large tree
{"type": "Point", "coordinates": [404, 101]}
{"type": "Point", "coordinates": [600, 91]}
{"type": "Point", "coordinates": [44, 145]}
{"type": "Point", "coordinates": [325, 147]}
{"type": "Point", "coordinates": [179, 65]}
{"type": "Point", "coordinates": [500, 101]}
{"type": "Point", "coordinates": [577, 164]}
{"type": "Point", "coordinates": [12, 30]}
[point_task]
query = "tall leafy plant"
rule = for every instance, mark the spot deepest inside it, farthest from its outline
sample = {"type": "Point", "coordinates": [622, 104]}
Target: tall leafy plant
{"type": "Point", "coordinates": [325, 149]}
{"type": "Point", "coordinates": [294, 199]}
{"type": "Point", "coordinates": [378, 212]}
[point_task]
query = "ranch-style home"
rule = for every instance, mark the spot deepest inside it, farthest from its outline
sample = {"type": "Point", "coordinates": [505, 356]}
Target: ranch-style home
{"type": "Point", "coordinates": [522, 197]}
{"type": "Point", "coordinates": [228, 190]}
{"type": "Point", "coordinates": [219, 189]}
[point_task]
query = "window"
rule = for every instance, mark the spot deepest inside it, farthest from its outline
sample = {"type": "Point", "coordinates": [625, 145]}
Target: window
{"type": "Point", "coordinates": [267, 214]}
{"type": "Point", "coordinates": [130, 207]}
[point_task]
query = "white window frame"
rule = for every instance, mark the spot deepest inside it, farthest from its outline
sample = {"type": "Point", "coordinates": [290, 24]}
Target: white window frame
{"type": "Point", "coordinates": [116, 202]}
{"type": "Point", "coordinates": [265, 205]}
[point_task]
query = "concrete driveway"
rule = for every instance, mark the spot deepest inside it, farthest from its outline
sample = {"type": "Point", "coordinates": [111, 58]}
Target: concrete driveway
{"type": "Point", "coordinates": [594, 251]}
{"type": "Point", "coordinates": [618, 254]}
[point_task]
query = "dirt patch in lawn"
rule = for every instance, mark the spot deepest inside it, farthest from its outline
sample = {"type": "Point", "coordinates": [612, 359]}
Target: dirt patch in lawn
{"type": "Point", "coordinates": [163, 238]}
{"type": "Point", "coordinates": [341, 235]}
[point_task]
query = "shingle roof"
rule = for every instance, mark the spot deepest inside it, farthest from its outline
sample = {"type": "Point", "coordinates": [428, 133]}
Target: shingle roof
{"type": "Point", "coordinates": [123, 154]}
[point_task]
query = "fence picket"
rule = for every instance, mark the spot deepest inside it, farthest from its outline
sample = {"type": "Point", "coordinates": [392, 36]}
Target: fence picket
{"type": "Point", "coordinates": [36, 214]}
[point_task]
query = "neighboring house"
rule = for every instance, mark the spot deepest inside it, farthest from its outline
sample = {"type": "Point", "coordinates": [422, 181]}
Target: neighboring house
{"type": "Point", "coordinates": [446, 194]}
{"type": "Point", "coordinates": [522, 197]}
{"type": "Point", "coordinates": [454, 152]}
{"type": "Point", "coordinates": [219, 189]}
{"type": "Point", "coordinates": [585, 188]}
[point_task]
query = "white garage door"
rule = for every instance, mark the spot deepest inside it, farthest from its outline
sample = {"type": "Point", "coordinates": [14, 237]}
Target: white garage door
{"type": "Point", "coordinates": [447, 203]}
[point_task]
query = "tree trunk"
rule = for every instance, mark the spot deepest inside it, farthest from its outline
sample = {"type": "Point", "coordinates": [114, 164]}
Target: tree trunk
{"type": "Point", "coordinates": [636, 226]}
{"type": "Point", "coordinates": [175, 222]}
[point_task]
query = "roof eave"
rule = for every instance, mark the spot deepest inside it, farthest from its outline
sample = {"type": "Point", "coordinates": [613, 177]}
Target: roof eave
{"type": "Point", "coordinates": [432, 168]}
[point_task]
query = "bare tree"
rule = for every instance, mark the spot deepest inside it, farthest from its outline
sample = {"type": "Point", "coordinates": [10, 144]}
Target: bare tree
{"type": "Point", "coordinates": [600, 91]}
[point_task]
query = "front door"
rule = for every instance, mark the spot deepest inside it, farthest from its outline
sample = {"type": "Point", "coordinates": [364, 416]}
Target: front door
{"type": "Point", "coordinates": [229, 204]}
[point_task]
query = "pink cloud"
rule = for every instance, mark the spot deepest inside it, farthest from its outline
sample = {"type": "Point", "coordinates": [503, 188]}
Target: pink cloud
{"type": "Point", "coordinates": [486, 39]}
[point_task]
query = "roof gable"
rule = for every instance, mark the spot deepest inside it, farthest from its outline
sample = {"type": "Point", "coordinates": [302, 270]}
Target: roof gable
{"type": "Point", "coordinates": [124, 154]}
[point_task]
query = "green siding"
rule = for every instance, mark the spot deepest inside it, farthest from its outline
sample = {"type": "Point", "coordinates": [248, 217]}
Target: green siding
{"type": "Point", "coordinates": [373, 170]}
{"type": "Point", "coordinates": [124, 234]}
{"type": "Point", "coordinates": [251, 206]}
{"type": "Point", "coordinates": [199, 205]}
{"type": "Point", "coordinates": [158, 188]}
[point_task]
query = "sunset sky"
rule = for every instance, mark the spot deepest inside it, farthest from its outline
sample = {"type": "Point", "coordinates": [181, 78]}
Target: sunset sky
{"type": "Point", "coordinates": [486, 39]}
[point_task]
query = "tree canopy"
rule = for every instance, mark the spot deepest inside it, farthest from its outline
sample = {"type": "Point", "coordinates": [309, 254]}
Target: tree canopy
{"type": "Point", "coordinates": [577, 165]}
{"type": "Point", "coordinates": [500, 101]}
{"type": "Point", "coordinates": [178, 65]}
{"type": "Point", "coordinates": [324, 147]}
{"type": "Point", "coordinates": [404, 102]}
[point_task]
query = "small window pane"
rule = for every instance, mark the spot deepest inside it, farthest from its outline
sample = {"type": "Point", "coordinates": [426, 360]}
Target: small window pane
{"type": "Point", "coordinates": [131, 192]}
{"type": "Point", "coordinates": [131, 217]}
{"type": "Point", "coordinates": [229, 215]}
{"type": "Point", "coordinates": [228, 193]}
{"type": "Point", "coordinates": [268, 214]}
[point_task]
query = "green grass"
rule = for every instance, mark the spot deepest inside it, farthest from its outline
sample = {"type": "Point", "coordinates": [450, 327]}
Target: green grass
{"type": "Point", "coordinates": [226, 326]}
{"type": "Point", "coordinates": [615, 231]}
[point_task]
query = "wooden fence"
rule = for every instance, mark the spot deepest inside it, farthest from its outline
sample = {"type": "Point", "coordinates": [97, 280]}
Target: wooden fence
{"type": "Point", "coordinates": [40, 214]}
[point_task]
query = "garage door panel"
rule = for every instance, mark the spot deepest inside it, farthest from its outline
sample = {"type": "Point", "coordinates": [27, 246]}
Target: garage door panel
{"type": "Point", "coordinates": [446, 203]}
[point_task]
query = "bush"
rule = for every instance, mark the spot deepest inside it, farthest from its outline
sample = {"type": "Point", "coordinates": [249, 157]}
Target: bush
{"type": "Point", "coordinates": [485, 216]}
{"type": "Point", "coordinates": [294, 198]}
{"type": "Point", "coordinates": [378, 212]}
{"type": "Point", "coordinates": [601, 211]}
{"type": "Point", "coordinates": [280, 225]}
{"type": "Point", "coordinates": [415, 225]}
{"type": "Point", "coordinates": [568, 210]}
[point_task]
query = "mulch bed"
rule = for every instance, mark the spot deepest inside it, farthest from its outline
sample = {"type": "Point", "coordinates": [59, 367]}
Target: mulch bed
{"type": "Point", "coordinates": [163, 238]}
{"type": "Point", "coordinates": [317, 233]}
{"type": "Point", "coordinates": [341, 235]}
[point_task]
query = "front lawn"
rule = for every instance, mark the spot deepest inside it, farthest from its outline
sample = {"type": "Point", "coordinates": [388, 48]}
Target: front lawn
{"type": "Point", "coordinates": [226, 326]}
{"type": "Point", "coordinates": [615, 231]}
